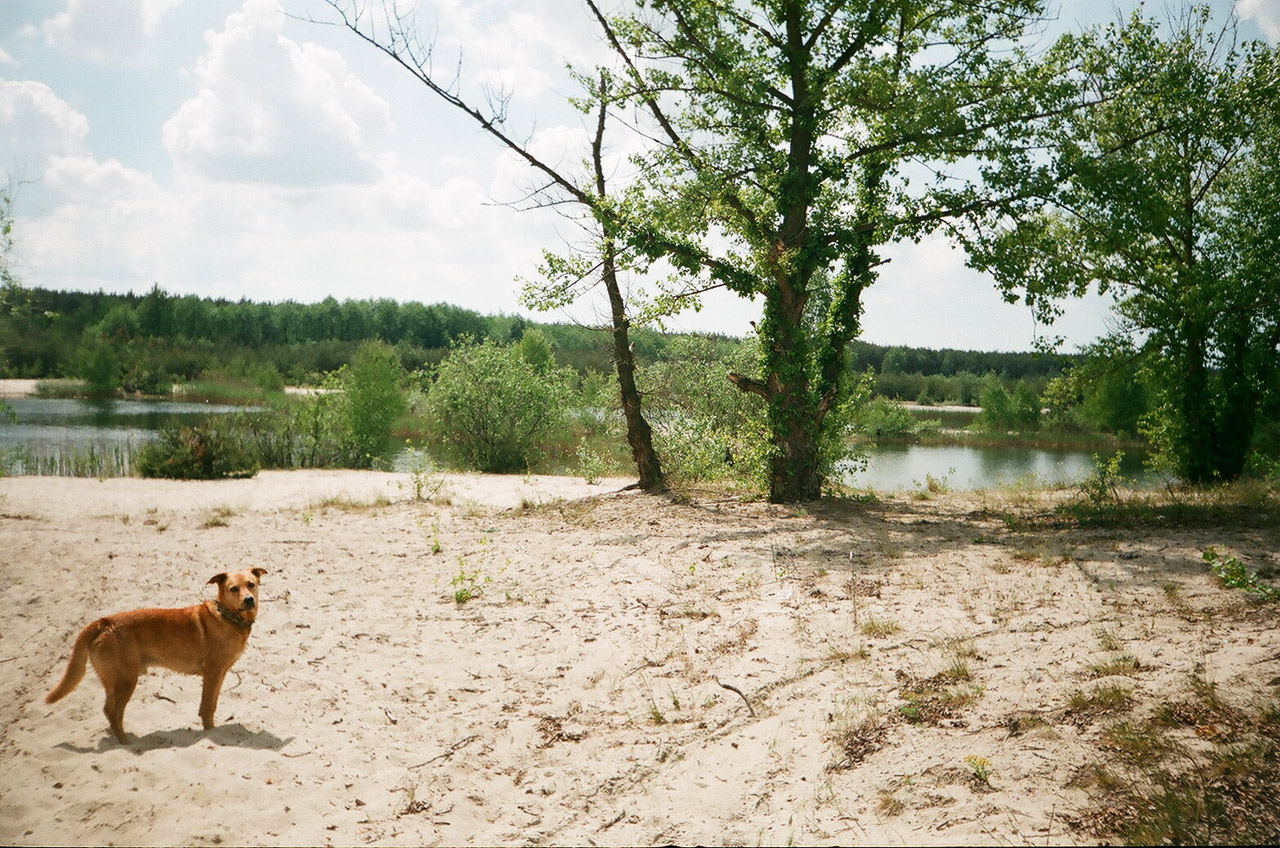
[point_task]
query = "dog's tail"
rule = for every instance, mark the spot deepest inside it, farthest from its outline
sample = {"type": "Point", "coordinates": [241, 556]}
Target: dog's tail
{"type": "Point", "coordinates": [79, 658]}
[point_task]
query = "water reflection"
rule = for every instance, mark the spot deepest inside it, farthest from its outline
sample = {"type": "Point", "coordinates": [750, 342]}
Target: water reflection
{"type": "Point", "coordinates": [50, 424]}
{"type": "Point", "coordinates": [965, 468]}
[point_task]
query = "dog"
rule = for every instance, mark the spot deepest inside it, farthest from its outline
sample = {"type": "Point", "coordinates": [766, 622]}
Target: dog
{"type": "Point", "coordinates": [205, 639]}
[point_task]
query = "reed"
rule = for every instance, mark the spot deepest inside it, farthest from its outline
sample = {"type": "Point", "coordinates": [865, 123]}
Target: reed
{"type": "Point", "coordinates": [70, 460]}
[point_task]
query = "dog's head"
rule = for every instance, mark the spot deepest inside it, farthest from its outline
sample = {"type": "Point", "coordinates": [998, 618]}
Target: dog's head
{"type": "Point", "coordinates": [239, 591]}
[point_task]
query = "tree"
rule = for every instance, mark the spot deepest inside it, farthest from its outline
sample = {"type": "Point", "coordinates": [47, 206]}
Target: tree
{"type": "Point", "coordinates": [396, 36]}
{"type": "Point", "coordinates": [793, 134]}
{"type": "Point", "coordinates": [1169, 203]}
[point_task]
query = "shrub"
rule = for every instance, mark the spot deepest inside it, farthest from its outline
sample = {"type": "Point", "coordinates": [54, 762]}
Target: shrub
{"type": "Point", "coordinates": [372, 399]}
{"type": "Point", "coordinates": [199, 452]}
{"type": "Point", "coordinates": [882, 418]}
{"type": "Point", "coordinates": [706, 428]}
{"type": "Point", "coordinates": [493, 406]}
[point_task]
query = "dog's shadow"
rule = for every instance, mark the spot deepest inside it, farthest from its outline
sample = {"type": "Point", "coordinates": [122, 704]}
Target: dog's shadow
{"type": "Point", "coordinates": [226, 735]}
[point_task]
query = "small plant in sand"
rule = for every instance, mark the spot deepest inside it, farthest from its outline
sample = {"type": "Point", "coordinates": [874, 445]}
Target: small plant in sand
{"type": "Point", "coordinates": [590, 463]}
{"type": "Point", "coordinates": [855, 735]}
{"type": "Point", "coordinates": [930, 700]}
{"type": "Point", "coordinates": [979, 768]}
{"type": "Point", "coordinates": [435, 536]}
{"type": "Point", "coordinates": [1108, 641]}
{"type": "Point", "coordinates": [836, 653]}
{"type": "Point", "coordinates": [889, 804]}
{"type": "Point", "coordinates": [655, 713]}
{"type": "Point", "coordinates": [424, 483]}
{"type": "Point", "coordinates": [879, 628]}
{"type": "Point", "coordinates": [1102, 699]}
{"type": "Point", "coordinates": [467, 584]}
{"type": "Point", "coordinates": [217, 517]}
{"type": "Point", "coordinates": [1120, 664]}
{"type": "Point", "coordinates": [1233, 574]}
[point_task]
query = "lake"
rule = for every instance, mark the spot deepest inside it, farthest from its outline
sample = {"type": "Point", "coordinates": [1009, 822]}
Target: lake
{"type": "Point", "coordinates": [52, 427]}
{"type": "Point", "coordinates": [963, 467]}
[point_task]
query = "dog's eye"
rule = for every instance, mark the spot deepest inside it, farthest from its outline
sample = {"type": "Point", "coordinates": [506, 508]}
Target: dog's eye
{"type": "Point", "coordinates": [235, 588]}
{"type": "Point", "coordinates": [251, 585]}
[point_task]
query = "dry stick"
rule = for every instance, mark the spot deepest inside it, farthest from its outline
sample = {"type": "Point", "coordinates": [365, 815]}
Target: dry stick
{"type": "Point", "coordinates": [733, 688]}
{"type": "Point", "coordinates": [450, 751]}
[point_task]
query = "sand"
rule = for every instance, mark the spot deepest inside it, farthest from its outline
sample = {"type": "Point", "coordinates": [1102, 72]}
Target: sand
{"type": "Point", "coordinates": [579, 695]}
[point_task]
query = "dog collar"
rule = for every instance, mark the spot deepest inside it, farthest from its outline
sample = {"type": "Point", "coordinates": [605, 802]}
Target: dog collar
{"type": "Point", "coordinates": [234, 618]}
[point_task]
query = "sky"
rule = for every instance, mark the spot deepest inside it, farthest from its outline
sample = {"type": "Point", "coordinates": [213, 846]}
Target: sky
{"type": "Point", "coordinates": [251, 149]}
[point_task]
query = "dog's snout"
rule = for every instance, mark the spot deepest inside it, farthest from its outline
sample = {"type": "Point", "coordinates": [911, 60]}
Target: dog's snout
{"type": "Point", "coordinates": [249, 602]}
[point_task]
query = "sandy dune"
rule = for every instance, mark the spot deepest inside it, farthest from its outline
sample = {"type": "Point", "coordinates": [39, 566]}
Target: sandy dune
{"type": "Point", "coordinates": [580, 695]}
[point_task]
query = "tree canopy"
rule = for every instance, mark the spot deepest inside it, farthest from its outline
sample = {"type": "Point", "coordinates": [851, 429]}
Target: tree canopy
{"type": "Point", "coordinates": [1169, 203]}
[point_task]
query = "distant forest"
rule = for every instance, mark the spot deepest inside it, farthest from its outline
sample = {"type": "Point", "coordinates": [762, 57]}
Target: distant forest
{"type": "Point", "coordinates": [158, 337]}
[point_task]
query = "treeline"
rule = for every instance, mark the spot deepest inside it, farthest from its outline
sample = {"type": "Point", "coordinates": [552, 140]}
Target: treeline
{"type": "Point", "coordinates": [143, 342]}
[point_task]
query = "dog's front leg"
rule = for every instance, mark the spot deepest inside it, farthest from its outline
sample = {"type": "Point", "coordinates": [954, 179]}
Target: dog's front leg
{"type": "Point", "coordinates": [209, 695]}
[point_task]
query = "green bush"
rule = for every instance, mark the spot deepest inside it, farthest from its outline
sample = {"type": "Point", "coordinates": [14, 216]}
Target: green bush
{"type": "Point", "coordinates": [204, 451]}
{"type": "Point", "coordinates": [371, 399]}
{"type": "Point", "coordinates": [881, 418]}
{"type": "Point", "coordinates": [493, 407]}
{"type": "Point", "coordinates": [706, 428]}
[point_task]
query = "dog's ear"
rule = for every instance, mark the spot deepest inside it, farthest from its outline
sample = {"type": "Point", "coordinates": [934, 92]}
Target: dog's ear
{"type": "Point", "coordinates": [258, 572]}
{"type": "Point", "coordinates": [218, 578]}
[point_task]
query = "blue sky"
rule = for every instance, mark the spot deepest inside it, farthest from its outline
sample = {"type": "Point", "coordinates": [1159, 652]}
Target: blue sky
{"type": "Point", "coordinates": [234, 148]}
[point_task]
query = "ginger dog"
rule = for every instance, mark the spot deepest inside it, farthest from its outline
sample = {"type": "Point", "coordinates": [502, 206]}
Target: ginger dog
{"type": "Point", "coordinates": [204, 639]}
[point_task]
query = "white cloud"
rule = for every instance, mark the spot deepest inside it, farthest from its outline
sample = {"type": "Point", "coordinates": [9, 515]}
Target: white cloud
{"type": "Point", "coordinates": [109, 223]}
{"type": "Point", "coordinates": [927, 297]}
{"type": "Point", "coordinates": [34, 125]}
{"type": "Point", "coordinates": [1265, 12]}
{"type": "Point", "coordinates": [109, 31]}
{"type": "Point", "coordinates": [272, 111]}
{"type": "Point", "coordinates": [512, 44]}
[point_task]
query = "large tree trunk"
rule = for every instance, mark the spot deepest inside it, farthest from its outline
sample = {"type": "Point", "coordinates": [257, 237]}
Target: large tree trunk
{"type": "Point", "coordinates": [1196, 412]}
{"type": "Point", "coordinates": [1238, 417]}
{"type": "Point", "coordinates": [794, 415]}
{"type": "Point", "coordinates": [795, 474]}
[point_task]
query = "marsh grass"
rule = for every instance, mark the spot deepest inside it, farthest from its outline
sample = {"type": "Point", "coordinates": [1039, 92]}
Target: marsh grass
{"type": "Point", "coordinates": [88, 460]}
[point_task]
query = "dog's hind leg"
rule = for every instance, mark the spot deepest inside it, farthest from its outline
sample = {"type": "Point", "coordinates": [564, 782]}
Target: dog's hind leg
{"type": "Point", "coordinates": [119, 691]}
